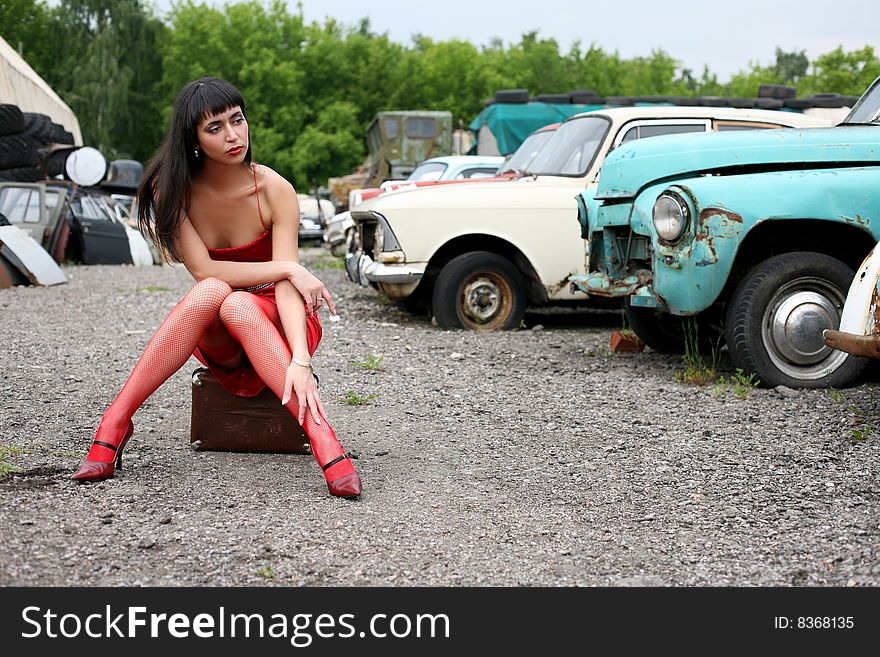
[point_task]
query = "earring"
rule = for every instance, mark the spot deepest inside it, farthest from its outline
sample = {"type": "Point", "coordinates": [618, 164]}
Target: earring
{"type": "Point", "coordinates": [196, 153]}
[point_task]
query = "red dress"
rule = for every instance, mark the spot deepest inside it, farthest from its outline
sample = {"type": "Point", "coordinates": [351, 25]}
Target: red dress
{"type": "Point", "coordinates": [244, 380]}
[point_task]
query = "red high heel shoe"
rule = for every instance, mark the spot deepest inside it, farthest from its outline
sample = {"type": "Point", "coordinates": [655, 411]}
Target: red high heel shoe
{"type": "Point", "coordinates": [99, 470]}
{"type": "Point", "coordinates": [346, 486]}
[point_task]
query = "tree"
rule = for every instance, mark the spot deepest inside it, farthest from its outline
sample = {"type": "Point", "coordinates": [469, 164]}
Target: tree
{"type": "Point", "coordinates": [27, 26]}
{"type": "Point", "coordinates": [535, 64]}
{"type": "Point", "coordinates": [106, 65]}
{"type": "Point", "coordinates": [452, 77]}
{"type": "Point", "coordinates": [745, 84]}
{"type": "Point", "coordinates": [791, 66]}
{"type": "Point", "coordinates": [257, 48]}
{"type": "Point", "coordinates": [333, 145]}
{"type": "Point", "coordinates": [848, 73]}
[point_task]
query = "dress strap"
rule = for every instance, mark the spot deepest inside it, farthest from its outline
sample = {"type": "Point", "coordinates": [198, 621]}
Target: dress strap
{"type": "Point", "coordinates": [257, 193]}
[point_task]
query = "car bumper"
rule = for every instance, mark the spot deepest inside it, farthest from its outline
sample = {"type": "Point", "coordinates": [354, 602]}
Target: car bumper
{"type": "Point", "coordinates": [310, 230]}
{"type": "Point", "coordinates": [337, 229]}
{"type": "Point", "coordinates": [361, 269]}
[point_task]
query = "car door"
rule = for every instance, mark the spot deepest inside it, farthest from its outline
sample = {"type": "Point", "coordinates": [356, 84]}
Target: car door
{"type": "Point", "coordinates": [101, 240]}
{"type": "Point", "coordinates": [23, 205]}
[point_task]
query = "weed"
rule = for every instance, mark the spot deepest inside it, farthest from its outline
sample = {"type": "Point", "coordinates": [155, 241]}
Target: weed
{"type": "Point", "coordinates": [836, 395]}
{"type": "Point", "coordinates": [372, 362]}
{"type": "Point", "coordinates": [266, 572]}
{"type": "Point", "coordinates": [522, 325]}
{"type": "Point", "coordinates": [6, 466]}
{"type": "Point", "coordinates": [325, 261]}
{"type": "Point", "coordinates": [697, 370]}
{"type": "Point", "coordinates": [742, 384]}
{"type": "Point", "coordinates": [353, 399]}
{"type": "Point", "coordinates": [145, 289]}
{"type": "Point", "coordinates": [720, 387]}
{"type": "Point", "coordinates": [862, 434]}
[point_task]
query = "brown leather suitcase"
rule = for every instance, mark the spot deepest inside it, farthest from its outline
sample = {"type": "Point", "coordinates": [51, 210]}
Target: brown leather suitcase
{"type": "Point", "coordinates": [226, 423]}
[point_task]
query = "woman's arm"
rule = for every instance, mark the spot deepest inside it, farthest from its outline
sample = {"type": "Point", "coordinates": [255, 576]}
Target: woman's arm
{"type": "Point", "coordinates": [285, 234]}
{"type": "Point", "coordinates": [198, 261]}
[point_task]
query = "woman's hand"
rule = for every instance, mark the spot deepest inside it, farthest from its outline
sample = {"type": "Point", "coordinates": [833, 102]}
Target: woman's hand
{"type": "Point", "coordinates": [313, 291]}
{"type": "Point", "coordinates": [299, 380]}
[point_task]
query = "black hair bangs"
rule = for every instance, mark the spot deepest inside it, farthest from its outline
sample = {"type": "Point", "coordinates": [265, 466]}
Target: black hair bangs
{"type": "Point", "coordinates": [213, 96]}
{"type": "Point", "coordinates": [203, 98]}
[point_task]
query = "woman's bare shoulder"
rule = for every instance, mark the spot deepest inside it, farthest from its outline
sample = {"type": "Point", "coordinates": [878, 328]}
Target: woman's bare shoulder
{"type": "Point", "coordinates": [272, 181]}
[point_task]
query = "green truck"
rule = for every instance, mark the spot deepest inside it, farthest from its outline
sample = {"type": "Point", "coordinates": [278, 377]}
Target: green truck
{"type": "Point", "coordinates": [398, 141]}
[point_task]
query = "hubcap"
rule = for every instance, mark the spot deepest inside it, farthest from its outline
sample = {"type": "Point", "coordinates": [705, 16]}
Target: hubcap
{"type": "Point", "coordinates": [482, 298]}
{"type": "Point", "coordinates": [485, 301]}
{"type": "Point", "coordinates": [792, 328]}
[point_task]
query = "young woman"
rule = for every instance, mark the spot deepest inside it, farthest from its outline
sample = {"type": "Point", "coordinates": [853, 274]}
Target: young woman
{"type": "Point", "coordinates": [252, 316]}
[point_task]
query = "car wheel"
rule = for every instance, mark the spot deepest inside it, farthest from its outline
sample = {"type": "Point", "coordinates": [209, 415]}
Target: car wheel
{"type": "Point", "coordinates": [776, 317]}
{"type": "Point", "coordinates": [666, 333]}
{"type": "Point", "coordinates": [11, 120]}
{"type": "Point", "coordinates": [481, 291]}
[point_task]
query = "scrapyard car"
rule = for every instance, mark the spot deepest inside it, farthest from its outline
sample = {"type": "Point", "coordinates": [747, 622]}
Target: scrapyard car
{"type": "Point", "coordinates": [313, 217]}
{"type": "Point", "coordinates": [72, 222]}
{"type": "Point", "coordinates": [859, 332]}
{"type": "Point", "coordinates": [437, 170]}
{"type": "Point", "coordinates": [757, 233]}
{"type": "Point", "coordinates": [477, 254]}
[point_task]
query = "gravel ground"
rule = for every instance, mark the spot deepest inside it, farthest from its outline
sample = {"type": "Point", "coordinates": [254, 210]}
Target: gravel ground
{"type": "Point", "coordinates": [532, 457]}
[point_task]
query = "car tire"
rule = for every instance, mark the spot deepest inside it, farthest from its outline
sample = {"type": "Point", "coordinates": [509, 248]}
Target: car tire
{"type": "Point", "coordinates": [776, 316]}
{"type": "Point", "coordinates": [11, 120]}
{"type": "Point", "coordinates": [666, 333]}
{"type": "Point", "coordinates": [512, 96]}
{"type": "Point", "coordinates": [21, 174]}
{"type": "Point", "coordinates": [17, 151]}
{"type": "Point", "coordinates": [481, 291]}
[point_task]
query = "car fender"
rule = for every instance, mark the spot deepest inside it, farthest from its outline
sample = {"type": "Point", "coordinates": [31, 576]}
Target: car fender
{"type": "Point", "coordinates": [690, 276]}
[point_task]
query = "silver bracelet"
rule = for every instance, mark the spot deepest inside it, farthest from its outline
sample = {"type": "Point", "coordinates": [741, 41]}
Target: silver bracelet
{"type": "Point", "coordinates": [297, 361]}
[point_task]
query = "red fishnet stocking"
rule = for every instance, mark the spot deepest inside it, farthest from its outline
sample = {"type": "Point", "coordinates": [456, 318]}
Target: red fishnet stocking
{"type": "Point", "coordinates": [255, 323]}
{"type": "Point", "coordinates": [165, 353]}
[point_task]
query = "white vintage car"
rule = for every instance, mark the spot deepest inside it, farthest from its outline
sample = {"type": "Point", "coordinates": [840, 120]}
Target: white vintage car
{"type": "Point", "coordinates": [477, 254]}
{"type": "Point", "coordinates": [859, 332]}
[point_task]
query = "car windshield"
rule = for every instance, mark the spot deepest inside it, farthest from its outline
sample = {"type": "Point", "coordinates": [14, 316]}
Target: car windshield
{"type": "Point", "coordinates": [572, 148]}
{"type": "Point", "coordinates": [867, 110]}
{"type": "Point", "coordinates": [427, 171]}
{"type": "Point", "coordinates": [527, 151]}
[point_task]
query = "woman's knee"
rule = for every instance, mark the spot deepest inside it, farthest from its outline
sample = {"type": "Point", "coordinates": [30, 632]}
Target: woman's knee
{"type": "Point", "coordinates": [208, 292]}
{"type": "Point", "coordinates": [215, 286]}
{"type": "Point", "coordinates": [237, 308]}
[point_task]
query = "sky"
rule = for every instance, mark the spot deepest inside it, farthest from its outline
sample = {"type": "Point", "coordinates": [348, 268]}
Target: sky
{"type": "Point", "coordinates": [725, 35]}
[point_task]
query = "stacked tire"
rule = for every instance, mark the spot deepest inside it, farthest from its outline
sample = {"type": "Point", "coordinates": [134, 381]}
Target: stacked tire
{"type": "Point", "coordinates": [25, 139]}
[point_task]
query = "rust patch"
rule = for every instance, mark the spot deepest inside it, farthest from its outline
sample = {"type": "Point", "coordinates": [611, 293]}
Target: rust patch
{"type": "Point", "coordinates": [708, 212]}
{"type": "Point", "coordinates": [5, 278]}
{"type": "Point", "coordinates": [875, 306]}
{"type": "Point", "coordinates": [857, 345]}
{"type": "Point", "coordinates": [557, 287]}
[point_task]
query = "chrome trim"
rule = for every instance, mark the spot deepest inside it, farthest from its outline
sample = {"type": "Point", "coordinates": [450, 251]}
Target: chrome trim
{"type": "Point", "coordinates": [362, 270]}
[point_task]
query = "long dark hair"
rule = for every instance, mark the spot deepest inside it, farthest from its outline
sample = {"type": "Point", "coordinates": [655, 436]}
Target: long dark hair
{"type": "Point", "coordinates": [164, 192]}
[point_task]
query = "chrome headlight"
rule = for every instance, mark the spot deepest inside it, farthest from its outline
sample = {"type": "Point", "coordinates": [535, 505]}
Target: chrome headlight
{"type": "Point", "coordinates": [672, 216]}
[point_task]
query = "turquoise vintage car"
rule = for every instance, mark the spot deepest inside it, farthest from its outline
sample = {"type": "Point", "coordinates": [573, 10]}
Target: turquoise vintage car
{"type": "Point", "coordinates": [754, 233]}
